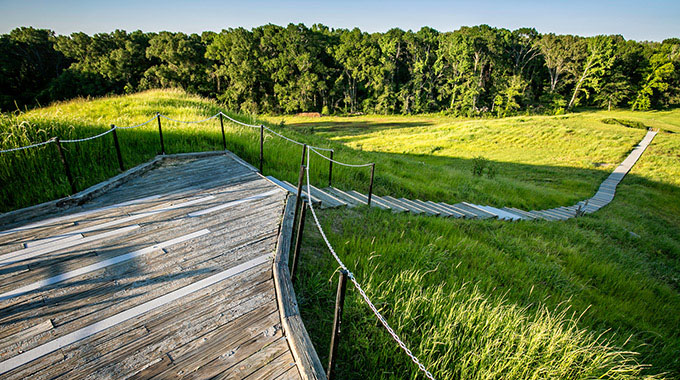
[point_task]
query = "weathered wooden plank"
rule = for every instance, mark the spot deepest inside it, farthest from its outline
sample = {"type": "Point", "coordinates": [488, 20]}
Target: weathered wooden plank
{"type": "Point", "coordinates": [375, 201]}
{"type": "Point", "coordinates": [445, 210]}
{"type": "Point", "coordinates": [395, 207]}
{"type": "Point", "coordinates": [350, 199]}
{"type": "Point", "coordinates": [416, 206]}
{"type": "Point", "coordinates": [300, 344]}
{"type": "Point", "coordinates": [327, 200]}
{"type": "Point", "coordinates": [271, 361]}
{"type": "Point", "coordinates": [291, 374]}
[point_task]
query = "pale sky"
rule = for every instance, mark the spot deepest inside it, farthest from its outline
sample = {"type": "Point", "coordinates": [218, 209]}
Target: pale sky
{"type": "Point", "coordinates": [637, 20]}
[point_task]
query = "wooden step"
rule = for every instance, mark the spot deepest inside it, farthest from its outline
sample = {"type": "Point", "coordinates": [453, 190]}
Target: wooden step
{"type": "Point", "coordinates": [374, 202]}
{"type": "Point", "coordinates": [524, 214]}
{"type": "Point", "coordinates": [558, 211]}
{"type": "Point", "coordinates": [555, 215]}
{"type": "Point", "coordinates": [434, 207]}
{"type": "Point", "coordinates": [445, 211]}
{"type": "Point", "coordinates": [467, 214]}
{"type": "Point", "coordinates": [351, 200]}
{"type": "Point", "coordinates": [327, 200]}
{"type": "Point", "coordinates": [291, 189]}
{"type": "Point", "coordinates": [414, 205]}
{"type": "Point", "coordinates": [428, 207]}
{"type": "Point", "coordinates": [304, 192]}
{"type": "Point", "coordinates": [475, 210]}
{"type": "Point", "coordinates": [571, 211]}
{"type": "Point", "coordinates": [394, 206]}
{"type": "Point", "coordinates": [544, 215]}
{"type": "Point", "coordinates": [502, 214]}
{"type": "Point", "coordinates": [403, 205]}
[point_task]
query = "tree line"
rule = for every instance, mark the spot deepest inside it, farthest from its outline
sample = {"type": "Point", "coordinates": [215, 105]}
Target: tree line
{"type": "Point", "coordinates": [472, 71]}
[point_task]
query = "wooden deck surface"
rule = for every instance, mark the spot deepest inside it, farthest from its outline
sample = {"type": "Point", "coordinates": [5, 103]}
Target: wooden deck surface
{"type": "Point", "coordinates": [168, 275]}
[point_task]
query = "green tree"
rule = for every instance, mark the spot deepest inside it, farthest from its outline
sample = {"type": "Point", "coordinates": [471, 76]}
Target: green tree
{"type": "Point", "coordinates": [233, 54]}
{"type": "Point", "coordinates": [178, 61]}
{"type": "Point", "coordinates": [656, 82]}
{"type": "Point", "coordinates": [28, 62]}
{"type": "Point", "coordinates": [588, 71]}
{"type": "Point", "coordinates": [418, 92]}
{"type": "Point", "coordinates": [557, 51]}
{"type": "Point", "coordinates": [357, 55]}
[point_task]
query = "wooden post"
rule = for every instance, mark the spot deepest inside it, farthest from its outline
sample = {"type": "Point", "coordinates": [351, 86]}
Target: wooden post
{"type": "Point", "coordinates": [261, 147]}
{"type": "Point", "coordinates": [298, 241]}
{"type": "Point", "coordinates": [337, 322]}
{"type": "Point", "coordinates": [67, 169]}
{"type": "Point", "coordinates": [160, 132]}
{"type": "Point", "coordinates": [330, 170]}
{"type": "Point", "coordinates": [370, 186]}
{"type": "Point", "coordinates": [224, 139]}
{"type": "Point", "coordinates": [304, 150]}
{"type": "Point", "coordinates": [298, 199]}
{"type": "Point", "coordinates": [115, 143]}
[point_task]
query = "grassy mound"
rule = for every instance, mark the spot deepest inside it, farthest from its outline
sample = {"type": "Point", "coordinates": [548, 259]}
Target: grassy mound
{"type": "Point", "coordinates": [473, 299]}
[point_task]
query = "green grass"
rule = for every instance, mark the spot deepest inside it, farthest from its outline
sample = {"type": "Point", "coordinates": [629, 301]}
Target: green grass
{"type": "Point", "coordinates": [473, 299]}
{"type": "Point", "coordinates": [33, 176]}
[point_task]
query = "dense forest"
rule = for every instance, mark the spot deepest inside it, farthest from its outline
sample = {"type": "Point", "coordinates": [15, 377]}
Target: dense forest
{"type": "Point", "coordinates": [472, 71]}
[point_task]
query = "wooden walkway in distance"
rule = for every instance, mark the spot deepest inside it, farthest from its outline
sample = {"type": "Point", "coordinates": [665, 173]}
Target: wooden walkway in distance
{"type": "Point", "coordinates": [333, 197]}
{"type": "Point", "coordinates": [168, 275]}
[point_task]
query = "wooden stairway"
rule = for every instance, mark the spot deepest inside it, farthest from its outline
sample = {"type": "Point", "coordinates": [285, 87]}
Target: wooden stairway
{"type": "Point", "coordinates": [332, 197]}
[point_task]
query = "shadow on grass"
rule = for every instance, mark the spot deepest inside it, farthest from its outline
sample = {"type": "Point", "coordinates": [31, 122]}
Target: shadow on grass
{"type": "Point", "coordinates": [353, 127]}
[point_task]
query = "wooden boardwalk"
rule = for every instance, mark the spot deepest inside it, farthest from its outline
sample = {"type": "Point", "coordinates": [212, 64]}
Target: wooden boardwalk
{"type": "Point", "coordinates": [333, 197]}
{"type": "Point", "coordinates": [171, 274]}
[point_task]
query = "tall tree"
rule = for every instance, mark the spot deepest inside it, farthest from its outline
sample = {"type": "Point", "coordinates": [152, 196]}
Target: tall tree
{"type": "Point", "coordinates": [660, 72]}
{"type": "Point", "coordinates": [357, 55]}
{"type": "Point", "coordinates": [588, 71]}
{"type": "Point", "coordinates": [28, 62]}
{"type": "Point", "coordinates": [557, 53]}
{"type": "Point", "coordinates": [178, 61]}
{"type": "Point", "coordinates": [232, 53]}
{"type": "Point", "coordinates": [418, 93]}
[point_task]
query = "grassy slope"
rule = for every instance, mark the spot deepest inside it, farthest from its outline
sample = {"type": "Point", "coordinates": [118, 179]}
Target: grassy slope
{"type": "Point", "coordinates": [36, 175]}
{"type": "Point", "coordinates": [414, 266]}
{"type": "Point", "coordinates": [629, 286]}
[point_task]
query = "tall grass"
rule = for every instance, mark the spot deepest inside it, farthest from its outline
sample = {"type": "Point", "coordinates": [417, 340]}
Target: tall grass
{"type": "Point", "coordinates": [491, 300]}
{"type": "Point", "coordinates": [36, 175]}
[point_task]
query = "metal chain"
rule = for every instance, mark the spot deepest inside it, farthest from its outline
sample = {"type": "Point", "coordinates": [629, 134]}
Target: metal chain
{"type": "Point", "coordinates": [139, 125]}
{"type": "Point", "coordinates": [313, 148]}
{"type": "Point", "coordinates": [27, 146]}
{"type": "Point", "coordinates": [89, 138]}
{"type": "Point", "coordinates": [380, 317]}
{"type": "Point", "coordinates": [189, 122]}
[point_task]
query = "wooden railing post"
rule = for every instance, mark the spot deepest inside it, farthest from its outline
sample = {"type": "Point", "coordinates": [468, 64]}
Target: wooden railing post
{"type": "Point", "coordinates": [298, 241]}
{"type": "Point", "coordinates": [304, 151]}
{"type": "Point", "coordinates": [337, 322]}
{"type": "Point", "coordinates": [370, 186]}
{"type": "Point", "coordinates": [261, 147]}
{"type": "Point", "coordinates": [67, 169]}
{"type": "Point", "coordinates": [330, 170]}
{"type": "Point", "coordinates": [224, 138]}
{"type": "Point", "coordinates": [115, 143]}
{"type": "Point", "coordinates": [160, 132]}
{"type": "Point", "coordinates": [298, 198]}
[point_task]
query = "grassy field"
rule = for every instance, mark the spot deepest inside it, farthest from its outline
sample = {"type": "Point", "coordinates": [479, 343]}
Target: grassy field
{"type": "Point", "coordinates": [473, 299]}
{"type": "Point", "coordinates": [613, 275]}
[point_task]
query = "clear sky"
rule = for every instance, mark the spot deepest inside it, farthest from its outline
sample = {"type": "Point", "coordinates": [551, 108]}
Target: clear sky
{"type": "Point", "coordinates": [637, 20]}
